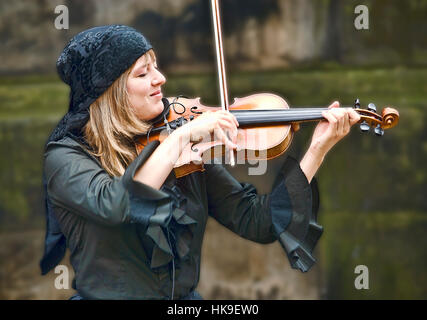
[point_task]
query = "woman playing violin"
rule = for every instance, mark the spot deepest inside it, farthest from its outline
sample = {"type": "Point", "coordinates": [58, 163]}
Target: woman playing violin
{"type": "Point", "coordinates": [133, 229]}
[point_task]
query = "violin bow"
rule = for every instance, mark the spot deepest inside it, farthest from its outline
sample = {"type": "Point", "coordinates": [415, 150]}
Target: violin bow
{"type": "Point", "coordinates": [370, 118]}
{"type": "Point", "coordinates": [222, 79]}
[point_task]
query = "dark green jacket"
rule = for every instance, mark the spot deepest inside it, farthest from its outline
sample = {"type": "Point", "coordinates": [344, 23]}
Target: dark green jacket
{"type": "Point", "coordinates": [130, 241]}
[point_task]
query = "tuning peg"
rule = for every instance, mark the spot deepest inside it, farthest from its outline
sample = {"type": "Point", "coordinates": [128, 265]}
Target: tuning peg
{"type": "Point", "coordinates": [372, 107]}
{"type": "Point", "coordinates": [379, 131]}
{"type": "Point", "coordinates": [357, 104]}
{"type": "Point", "coordinates": [364, 127]}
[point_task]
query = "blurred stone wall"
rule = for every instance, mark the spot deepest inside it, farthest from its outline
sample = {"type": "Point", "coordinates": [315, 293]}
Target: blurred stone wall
{"type": "Point", "coordinates": [257, 34]}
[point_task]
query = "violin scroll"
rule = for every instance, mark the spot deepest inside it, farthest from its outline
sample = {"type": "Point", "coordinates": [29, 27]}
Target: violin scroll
{"type": "Point", "coordinates": [369, 118]}
{"type": "Point", "coordinates": [390, 117]}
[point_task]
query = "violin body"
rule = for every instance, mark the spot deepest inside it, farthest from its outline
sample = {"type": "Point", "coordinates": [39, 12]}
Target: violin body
{"type": "Point", "coordinates": [254, 141]}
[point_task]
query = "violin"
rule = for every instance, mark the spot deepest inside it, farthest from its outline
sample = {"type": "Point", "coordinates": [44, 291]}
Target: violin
{"type": "Point", "coordinates": [266, 123]}
{"type": "Point", "coordinates": [266, 128]}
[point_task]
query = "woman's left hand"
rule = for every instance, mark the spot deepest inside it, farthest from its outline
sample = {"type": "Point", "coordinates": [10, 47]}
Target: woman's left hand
{"type": "Point", "coordinates": [327, 133]}
{"type": "Point", "coordinates": [336, 126]}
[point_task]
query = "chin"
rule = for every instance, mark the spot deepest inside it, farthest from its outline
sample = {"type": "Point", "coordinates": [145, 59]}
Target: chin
{"type": "Point", "coordinates": [159, 107]}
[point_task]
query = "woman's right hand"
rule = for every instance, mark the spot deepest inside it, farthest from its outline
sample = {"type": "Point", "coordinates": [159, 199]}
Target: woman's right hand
{"type": "Point", "coordinates": [168, 154]}
{"type": "Point", "coordinates": [221, 125]}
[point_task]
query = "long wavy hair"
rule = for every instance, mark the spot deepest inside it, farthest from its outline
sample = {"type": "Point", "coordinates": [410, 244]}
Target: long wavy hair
{"type": "Point", "coordinates": [113, 125]}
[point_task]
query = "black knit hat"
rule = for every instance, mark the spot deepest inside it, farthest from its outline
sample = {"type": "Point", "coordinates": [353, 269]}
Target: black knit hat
{"type": "Point", "coordinates": [89, 64]}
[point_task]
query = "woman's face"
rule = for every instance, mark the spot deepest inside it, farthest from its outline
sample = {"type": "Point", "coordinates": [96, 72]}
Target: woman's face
{"type": "Point", "coordinates": [144, 88]}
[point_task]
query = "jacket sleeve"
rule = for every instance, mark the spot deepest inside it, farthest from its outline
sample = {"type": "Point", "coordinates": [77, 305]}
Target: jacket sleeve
{"type": "Point", "coordinates": [78, 183]}
{"type": "Point", "coordinates": [288, 213]}
{"type": "Point", "coordinates": [237, 206]}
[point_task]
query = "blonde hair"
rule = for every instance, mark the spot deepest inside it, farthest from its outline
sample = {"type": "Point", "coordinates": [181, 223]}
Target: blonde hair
{"type": "Point", "coordinates": [113, 125]}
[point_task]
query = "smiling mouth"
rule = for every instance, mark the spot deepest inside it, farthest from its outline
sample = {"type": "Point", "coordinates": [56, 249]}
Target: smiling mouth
{"type": "Point", "coordinates": [158, 92]}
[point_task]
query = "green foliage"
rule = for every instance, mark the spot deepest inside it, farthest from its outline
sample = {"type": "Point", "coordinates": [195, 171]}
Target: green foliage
{"type": "Point", "coordinates": [21, 159]}
{"type": "Point", "coordinates": [401, 87]}
{"type": "Point", "coordinates": [32, 97]}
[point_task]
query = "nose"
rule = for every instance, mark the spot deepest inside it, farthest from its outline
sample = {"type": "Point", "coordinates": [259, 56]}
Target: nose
{"type": "Point", "coordinates": [158, 79]}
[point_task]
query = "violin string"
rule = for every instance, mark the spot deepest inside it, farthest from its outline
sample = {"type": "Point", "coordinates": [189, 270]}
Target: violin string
{"type": "Point", "coordinates": [283, 115]}
{"type": "Point", "coordinates": [275, 113]}
{"type": "Point", "coordinates": [246, 117]}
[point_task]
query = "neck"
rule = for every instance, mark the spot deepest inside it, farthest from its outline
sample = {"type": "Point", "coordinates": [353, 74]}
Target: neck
{"type": "Point", "coordinates": [277, 116]}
